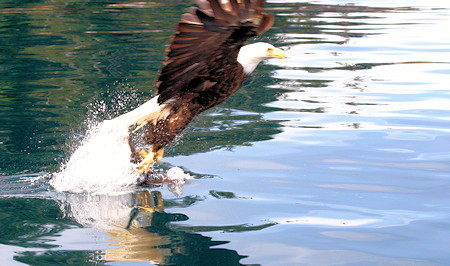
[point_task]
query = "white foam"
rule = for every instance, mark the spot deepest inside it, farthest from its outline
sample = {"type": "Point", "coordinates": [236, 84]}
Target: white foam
{"type": "Point", "coordinates": [101, 163]}
{"type": "Point", "coordinates": [176, 178]}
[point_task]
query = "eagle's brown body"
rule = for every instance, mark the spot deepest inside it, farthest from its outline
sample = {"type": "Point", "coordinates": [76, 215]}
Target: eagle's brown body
{"type": "Point", "coordinates": [201, 68]}
{"type": "Point", "coordinates": [189, 105]}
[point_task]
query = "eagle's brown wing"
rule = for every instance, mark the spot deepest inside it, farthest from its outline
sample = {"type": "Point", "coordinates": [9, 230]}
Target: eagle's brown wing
{"type": "Point", "coordinates": [207, 38]}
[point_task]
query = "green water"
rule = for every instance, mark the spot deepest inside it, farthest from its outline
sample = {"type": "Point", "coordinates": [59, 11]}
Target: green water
{"type": "Point", "coordinates": [337, 155]}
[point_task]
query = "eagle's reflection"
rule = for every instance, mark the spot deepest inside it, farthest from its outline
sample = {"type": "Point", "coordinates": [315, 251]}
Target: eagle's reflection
{"type": "Point", "coordinates": [146, 236]}
{"type": "Point", "coordinates": [139, 229]}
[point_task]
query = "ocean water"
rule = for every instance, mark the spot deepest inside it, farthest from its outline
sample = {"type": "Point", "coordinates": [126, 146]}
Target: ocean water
{"type": "Point", "coordinates": [337, 155]}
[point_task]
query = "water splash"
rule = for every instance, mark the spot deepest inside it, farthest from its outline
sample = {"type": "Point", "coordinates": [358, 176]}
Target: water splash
{"type": "Point", "coordinates": [101, 163]}
{"type": "Point", "coordinates": [176, 179]}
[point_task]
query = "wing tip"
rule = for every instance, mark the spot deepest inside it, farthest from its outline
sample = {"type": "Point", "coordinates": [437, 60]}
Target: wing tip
{"type": "Point", "coordinates": [266, 23]}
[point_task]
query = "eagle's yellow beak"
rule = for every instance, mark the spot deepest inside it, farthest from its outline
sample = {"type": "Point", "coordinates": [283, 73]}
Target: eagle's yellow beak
{"type": "Point", "coordinates": [276, 53]}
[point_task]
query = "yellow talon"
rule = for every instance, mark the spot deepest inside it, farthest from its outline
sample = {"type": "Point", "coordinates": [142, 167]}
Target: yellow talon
{"type": "Point", "coordinates": [148, 159]}
{"type": "Point", "coordinates": [159, 155]}
{"type": "Point", "coordinates": [146, 163]}
{"type": "Point", "coordinates": [143, 153]}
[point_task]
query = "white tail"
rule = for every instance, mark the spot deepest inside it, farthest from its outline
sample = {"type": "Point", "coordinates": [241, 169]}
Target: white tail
{"type": "Point", "coordinates": [150, 111]}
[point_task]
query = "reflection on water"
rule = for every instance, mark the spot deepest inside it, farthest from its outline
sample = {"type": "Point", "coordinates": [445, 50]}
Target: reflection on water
{"type": "Point", "coordinates": [136, 225]}
{"type": "Point", "coordinates": [337, 155]}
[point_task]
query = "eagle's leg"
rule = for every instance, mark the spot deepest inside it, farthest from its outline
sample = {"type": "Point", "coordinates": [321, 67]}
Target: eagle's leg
{"type": "Point", "coordinates": [148, 159]}
{"type": "Point", "coordinates": [159, 155]}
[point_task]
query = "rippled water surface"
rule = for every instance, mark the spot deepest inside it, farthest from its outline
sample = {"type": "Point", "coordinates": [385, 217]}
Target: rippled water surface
{"type": "Point", "coordinates": [337, 155]}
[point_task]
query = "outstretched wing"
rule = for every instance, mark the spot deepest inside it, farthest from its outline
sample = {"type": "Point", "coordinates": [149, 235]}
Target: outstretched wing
{"type": "Point", "coordinates": [208, 37]}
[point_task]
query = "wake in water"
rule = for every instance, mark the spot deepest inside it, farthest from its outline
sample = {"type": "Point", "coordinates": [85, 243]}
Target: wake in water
{"type": "Point", "coordinates": [102, 164]}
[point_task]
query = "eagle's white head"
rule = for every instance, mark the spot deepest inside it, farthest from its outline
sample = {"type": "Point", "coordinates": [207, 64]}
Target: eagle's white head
{"type": "Point", "coordinates": [250, 55]}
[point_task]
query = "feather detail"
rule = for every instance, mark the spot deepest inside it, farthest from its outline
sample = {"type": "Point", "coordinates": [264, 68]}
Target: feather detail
{"type": "Point", "coordinates": [150, 111]}
{"type": "Point", "coordinates": [208, 37]}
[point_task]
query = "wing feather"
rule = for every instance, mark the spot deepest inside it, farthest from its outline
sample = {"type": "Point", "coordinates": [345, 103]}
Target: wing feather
{"type": "Point", "coordinates": [234, 7]}
{"type": "Point", "coordinates": [248, 4]}
{"type": "Point", "coordinates": [203, 4]}
{"type": "Point", "coordinates": [265, 24]}
{"type": "Point", "coordinates": [219, 13]}
{"type": "Point", "coordinates": [207, 37]}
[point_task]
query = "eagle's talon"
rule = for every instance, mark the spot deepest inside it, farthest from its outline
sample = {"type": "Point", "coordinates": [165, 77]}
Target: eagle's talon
{"type": "Point", "coordinates": [148, 158]}
{"type": "Point", "coordinates": [146, 163]}
{"type": "Point", "coordinates": [143, 153]}
{"type": "Point", "coordinates": [159, 155]}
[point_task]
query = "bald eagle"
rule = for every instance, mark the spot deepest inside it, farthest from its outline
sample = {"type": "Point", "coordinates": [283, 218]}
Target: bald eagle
{"type": "Point", "coordinates": [206, 63]}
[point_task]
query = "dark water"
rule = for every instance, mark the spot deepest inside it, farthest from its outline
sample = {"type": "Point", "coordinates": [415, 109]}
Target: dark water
{"type": "Point", "coordinates": [338, 155]}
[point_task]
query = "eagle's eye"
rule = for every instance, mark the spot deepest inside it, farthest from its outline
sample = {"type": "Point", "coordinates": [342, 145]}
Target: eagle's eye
{"type": "Point", "coordinates": [269, 50]}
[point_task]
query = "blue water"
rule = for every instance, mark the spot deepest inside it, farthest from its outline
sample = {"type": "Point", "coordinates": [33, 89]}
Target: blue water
{"type": "Point", "coordinates": [337, 155]}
